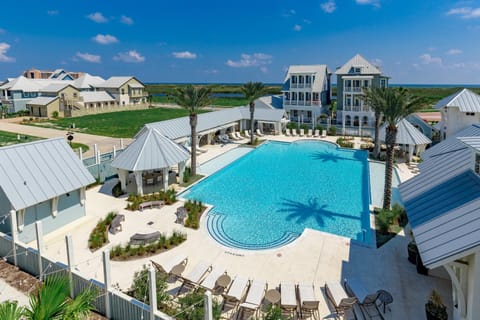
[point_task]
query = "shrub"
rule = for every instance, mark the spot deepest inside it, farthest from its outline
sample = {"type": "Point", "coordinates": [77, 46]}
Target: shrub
{"type": "Point", "coordinates": [169, 197]}
{"type": "Point", "coordinates": [194, 213]}
{"type": "Point", "coordinates": [55, 114]}
{"type": "Point", "coordinates": [187, 174]}
{"type": "Point", "coordinates": [332, 131]}
{"type": "Point", "coordinates": [435, 308]}
{"type": "Point", "coordinates": [139, 288]}
{"type": "Point", "coordinates": [99, 235]}
{"type": "Point", "coordinates": [192, 306]}
{"type": "Point", "coordinates": [387, 218]}
{"type": "Point", "coordinates": [304, 126]}
{"type": "Point", "coordinates": [117, 190]}
{"type": "Point", "coordinates": [344, 144]}
{"type": "Point", "coordinates": [292, 125]}
{"type": "Point", "coordinates": [320, 128]}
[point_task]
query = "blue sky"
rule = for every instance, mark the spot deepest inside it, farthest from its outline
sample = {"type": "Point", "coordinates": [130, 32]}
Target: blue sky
{"type": "Point", "coordinates": [424, 41]}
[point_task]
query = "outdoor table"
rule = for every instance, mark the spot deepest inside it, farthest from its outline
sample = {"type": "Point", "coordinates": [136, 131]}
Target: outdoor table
{"type": "Point", "coordinates": [272, 296]}
{"type": "Point", "coordinates": [223, 281]}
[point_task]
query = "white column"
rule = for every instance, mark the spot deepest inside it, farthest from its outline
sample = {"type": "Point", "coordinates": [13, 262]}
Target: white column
{"type": "Point", "coordinates": [139, 181]}
{"type": "Point", "coordinates": [121, 143]}
{"type": "Point", "coordinates": [13, 226]}
{"type": "Point", "coordinates": [165, 178]}
{"type": "Point", "coordinates": [360, 126]}
{"type": "Point", "coordinates": [181, 169]}
{"type": "Point", "coordinates": [410, 152]}
{"type": "Point", "coordinates": [343, 123]}
{"type": "Point", "coordinates": [69, 244]}
{"type": "Point", "coordinates": [123, 176]}
{"type": "Point", "coordinates": [80, 154]}
{"type": "Point", "coordinates": [473, 307]}
{"type": "Point", "coordinates": [114, 151]}
{"type": "Point", "coordinates": [39, 234]}
{"type": "Point", "coordinates": [95, 151]}
{"type": "Point", "coordinates": [208, 306]}
{"type": "Point", "coordinates": [152, 292]}
{"type": "Point", "coordinates": [108, 282]}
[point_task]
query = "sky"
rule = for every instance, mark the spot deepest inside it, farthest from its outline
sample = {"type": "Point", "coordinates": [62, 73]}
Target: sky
{"type": "Point", "coordinates": [231, 41]}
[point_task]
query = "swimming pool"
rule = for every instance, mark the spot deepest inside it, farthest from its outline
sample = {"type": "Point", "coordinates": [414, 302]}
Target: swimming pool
{"type": "Point", "coordinates": [268, 197]}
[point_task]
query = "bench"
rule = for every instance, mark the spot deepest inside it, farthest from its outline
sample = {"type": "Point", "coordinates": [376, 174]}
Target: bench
{"type": "Point", "coordinates": [150, 204]}
{"type": "Point", "coordinates": [143, 238]}
{"type": "Point", "coordinates": [116, 224]}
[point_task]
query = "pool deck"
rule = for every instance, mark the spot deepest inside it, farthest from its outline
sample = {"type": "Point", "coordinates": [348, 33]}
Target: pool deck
{"type": "Point", "coordinates": [315, 257]}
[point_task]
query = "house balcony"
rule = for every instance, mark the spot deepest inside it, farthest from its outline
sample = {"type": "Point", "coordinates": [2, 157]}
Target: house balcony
{"type": "Point", "coordinates": [356, 108]}
{"type": "Point", "coordinates": [352, 89]}
{"type": "Point", "coordinates": [301, 103]}
{"type": "Point", "coordinates": [300, 85]}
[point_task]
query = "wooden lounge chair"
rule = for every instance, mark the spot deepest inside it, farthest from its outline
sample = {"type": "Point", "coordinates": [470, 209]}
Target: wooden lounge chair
{"type": "Point", "coordinates": [173, 267]}
{"type": "Point", "coordinates": [288, 298]}
{"type": "Point", "coordinates": [317, 133]}
{"type": "Point", "coordinates": [339, 298]}
{"type": "Point", "coordinates": [193, 279]}
{"type": "Point", "coordinates": [308, 301]}
{"type": "Point", "coordinates": [254, 297]}
{"type": "Point", "coordinates": [238, 135]}
{"type": "Point", "coordinates": [235, 293]}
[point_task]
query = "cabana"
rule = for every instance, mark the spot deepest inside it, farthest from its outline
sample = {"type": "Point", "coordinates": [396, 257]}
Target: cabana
{"type": "Point", "coordinates": [410, 137]}
{"type": "Point", "coordinates": [150, 157]}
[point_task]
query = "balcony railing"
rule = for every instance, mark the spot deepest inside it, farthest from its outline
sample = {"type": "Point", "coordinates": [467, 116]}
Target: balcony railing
{"type": "Point", "coordinates": [352, 89]}
{"type": "Point", "coordinates": [300, 85]}
{"type": "Point", "coordinates": [357, 108]}
{"type": "Point", "coordinates": [301, 103]}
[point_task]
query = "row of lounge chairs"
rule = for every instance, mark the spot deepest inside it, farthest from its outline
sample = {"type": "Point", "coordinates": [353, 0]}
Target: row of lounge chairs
{"type": "Point", "coordinates": [310, 133]}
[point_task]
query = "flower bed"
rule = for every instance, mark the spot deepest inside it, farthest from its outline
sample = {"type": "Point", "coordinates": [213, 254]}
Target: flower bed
{"type": "Point", "coordinates": [99, 235]}
{"type": "Point", "coordinates": [168, 197]}
{"type": "Point", "coordinates": [195, 210]}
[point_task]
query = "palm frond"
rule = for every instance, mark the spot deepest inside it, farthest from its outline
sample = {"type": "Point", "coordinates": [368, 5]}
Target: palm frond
{"type": "Point", "coordinates": [49, 301]}
{"type": "Point", "coordinates": [253, 90]}
{"type": "Point", "coordinates": [9, 310]}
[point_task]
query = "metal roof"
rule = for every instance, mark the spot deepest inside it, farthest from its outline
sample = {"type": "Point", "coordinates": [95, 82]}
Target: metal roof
{"type": "Point", "coordinates": [42, 101]}
{"type": "Point", "coordinates": [445, 216]}
{"type": "Point", "coordinates": [95, 96]}
{"type": "Point", "coordinates": [38, 171]}
{"type": "Point", "coordinates": [473, 142]}
{"type": "Point", "coordinates": [87, 81]}
{"type": "Point", "coordinates": [466, 100]}
{"type": "Point", "coordinates": [358, 61]}
{"type": "Point", "coordinates": [115, 82]}
{"type": "Point", "coordinates": [151, 150]}
{"type": "Point", "coordinates": [180, 127]}
{"type": "Point", "coordinates": [406, 134]}
{"type": "Point", "coordinates": [54, 87]}
{"type": "Point", "coordinates": [320, 72]}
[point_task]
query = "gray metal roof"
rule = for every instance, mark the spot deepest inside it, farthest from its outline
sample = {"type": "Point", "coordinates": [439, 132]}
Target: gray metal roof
{"type": "Point", "coordinates": [466, 100]}
{"type": "Point", "coordinates": [406, 134]}
{"type": "Point", "coordinates": [115, 82]}
{"type": "Point", "coordinates": [180, 127]}
{"type": "Point", "coordinates": [42, 101]}
{"type": "Point", "coordinates": [445, 216]}
{"type": "Point", "coordinates": [55, 87]}
{"type": "Point", "coordinates": [358, 61]}
{"type": "Point", "coordinates": [41, 170]}
{"type": "Point", "coordinates": [151, 150]}
{"type": "Point", "coordinates": [96, 96]}
{"type": "Point", "coordinates": [87, 81]}
{"type": "Point", "coordinates": [473, 142]}
{"type": "Point", "coordinates": [320, 72]}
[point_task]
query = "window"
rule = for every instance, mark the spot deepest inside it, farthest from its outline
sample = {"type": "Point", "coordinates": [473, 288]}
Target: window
{"type": "Point", "coordinates": [295, 113]}
{"type": "Point", "coordinates": [294, 79]}
{"type": "Point", "coordinates": [75, 95]}
{"type": "Point", "coordinates": [365, 121]}
{"type": "Point", "coordinates": [470, 113]}
{"type": "Point", "coordinates": [123, 91]}
{"type": "Point", "coordinates": [477, 163]}
{"type": "Point", "coordinates": [383, 83]}
{"type": "Point", "coordinates": [366, 83]}
{"type": "Point", "coordinates": [348, 121]}
{"type": "Point", "coordinates": [357, 70]}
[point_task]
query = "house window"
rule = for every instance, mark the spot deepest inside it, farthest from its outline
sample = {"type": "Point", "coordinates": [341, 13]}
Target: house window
{"type": "Point", "coordinates": [477, 163]}
{"type": "Point", "coordinates": [123, 91]}
{"type": "Point", "coordinates": [383, 83]}
{"type": "Point", "coordinates": [470, 113]}
{"type": "Point", "coordinates": [365, 121]}
{"type": "Point", "coordinates": [75, 95]}
{"type": "Point", "coordinates": [348, 121]}
{"type": "Point", "coordinates": [366, 83]}
{"type": "Point", "coordinates": [356, 70]}
{"type": "Point", "coordinates": [295, 113]}
{"type": "Point", "coordinates": [294, 79]}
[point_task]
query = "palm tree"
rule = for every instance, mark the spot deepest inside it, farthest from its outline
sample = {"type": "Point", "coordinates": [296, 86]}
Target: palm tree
{"type": "Point", "coordinates": [398, 104]}
{"type": "Point", "coordinates": [9, 310]}
{"type": "Point", "coordinates": [375, 98]}
{"type": "Point", "coordinates": [192, 98]}
{"type": "Point", "coordinates": [252, 91]}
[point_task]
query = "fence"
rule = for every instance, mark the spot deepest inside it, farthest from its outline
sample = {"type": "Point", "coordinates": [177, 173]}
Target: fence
{"type": "Point", "coordinates": [100, 164]}
{"type": "Point", "coordinates": [121, 305]}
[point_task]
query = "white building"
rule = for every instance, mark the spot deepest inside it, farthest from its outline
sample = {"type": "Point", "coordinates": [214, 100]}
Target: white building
{"type": "Point", "coordinates": [459, 111]}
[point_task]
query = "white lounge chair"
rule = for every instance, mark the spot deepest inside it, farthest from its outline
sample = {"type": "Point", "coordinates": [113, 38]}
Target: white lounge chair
{"type": "Point", "coordinates": [338, 297]}
{"type": "Point", "coordinates": [195, 276]}
{"type": "Point", "coordinates": [211, 279]}
{"type": "Point", "coordinates": [302, 132]}
{"type": "Point", "coordinates": [173, 267]}
{"type": "Point", "coordinates": [309, 133]}
{"type": "Point", "coordinates": [288, 298]}
{"type": "Point", "coordinates": [287, 132]}
{"type": "Point", "coordinates": [308, 302]}
{"type": "Point", "coordinates": [254, 298]}
{"type": "Point", "coordinates": [202, 150]}
{"type": "Point", "coordinates": [259, 133]}
{"type": "Point", "coordinates": [238, 135]}
{"type": "Point", "coordinates": [324, 133]}
{"type": "Point", "coordinates": [235, 293]}
{"type": "Point", "coordinates": [317, 133]}
{"type": "Point", "coordinates": [294, 132]}
{"type": "Point", "coordinates": [247, 133]}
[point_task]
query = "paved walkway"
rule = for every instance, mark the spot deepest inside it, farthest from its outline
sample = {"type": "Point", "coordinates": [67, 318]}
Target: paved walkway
{"type": "Point", "coordinates": [104, 144]}
{"type": "Point", "coordinates": [8, 292]}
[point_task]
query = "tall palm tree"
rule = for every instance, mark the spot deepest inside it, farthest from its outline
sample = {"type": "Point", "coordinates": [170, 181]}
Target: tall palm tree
{"type": "Point", "coordinates": [398, 104]}
{"type": "Point", "coordinates": [375, 98]}
{"type": "Point", "coordinates": [192, 98]}
{"type": "Point", "coordinates": [252, 91]}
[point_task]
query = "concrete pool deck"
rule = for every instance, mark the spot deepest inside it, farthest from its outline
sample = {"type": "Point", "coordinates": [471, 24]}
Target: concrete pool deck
{"type": "Point", "coordinates": [315, 257]}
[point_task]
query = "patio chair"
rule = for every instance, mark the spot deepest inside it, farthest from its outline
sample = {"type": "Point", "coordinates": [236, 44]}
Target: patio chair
{"type": "Point", "coordinates": [355, 288]}
{"type": "Point", "coordinates": [259, 133]}
{"type": "Point", "coordinates": [309, 133]}
{"type": "Point", "coordinates": [288, 298]}
{"type": "Point", "coordinates": [254, 297]}
{"type": "Point", "coordinates": [302, 132]}
{"type": "Point", "coordinates": [210, 282]}
{"type": "Point", "coordinates": [287, 132]}
{"type": "Point", "coordinates": [324, 133]}
{"type": "Point", "coordinates": [173, 267]}
{"type": "Point", "coordinates": [308, 302]}
{"type": "Point", "coordinates": [294, 132]}
{"type": "Point", "coordinates": [317, 133]}
{"type": "Point", "coordinates": [235, 293]}
{"type": "Point", "coordinates": [193, 279]}
{"type": "Point", "coordinates": [181, 214]}
{"type": "Point", "coordinates": [339, 298]}
{"type": "Point", "coordinates": [238, 135]}
{"type": "Point", "coordinates": [247, 133]}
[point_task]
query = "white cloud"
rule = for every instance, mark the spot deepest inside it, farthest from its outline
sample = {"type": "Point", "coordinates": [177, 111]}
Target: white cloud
{"type": "Point", "coordinates": [131, 56]}
{"type": "Point", "coordinates": [454, 51]}
{"type": "Point", "coordinates": [53, 12]}
{"type": "Point", "coordinates": [329, 6]}
{"type": "Point", "coordinates": [297, 27]}
{"type": "Point", "coordinates": [428, 59]}
{"type": "Point", "coordinates": [289, 13]}
{"type": "Point", "coordinates": [89, 57]}
{"type": "Point", "coordinates": [375, 3]}
{"type": "Point", "coordinates": [4, 47]}
{"type": "Point", "coordinates": [250, 60]}
{"type": "Point", "coordinates": [184, 55]}
{"type": "Point", "coordinates": [105, 39]}
{"type": "Point", "coordinates": [264, 69]}
{"type": "Point", "coordinates": [212, 71]}
{"type": "Point", "coordinates": [126, 20]}
{"type": "Point", "coordinates": [97, 17]}
{"type": "Point", "coordinates": [306, 21]}
{"type": "Point", "coordinates": [465, 12]}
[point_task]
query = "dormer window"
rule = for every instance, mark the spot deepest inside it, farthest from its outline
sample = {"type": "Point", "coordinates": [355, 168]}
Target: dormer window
{"type": "Point", "coordinates": [477, 163]}
{"type": "Point", "coordinates": [357, 70]}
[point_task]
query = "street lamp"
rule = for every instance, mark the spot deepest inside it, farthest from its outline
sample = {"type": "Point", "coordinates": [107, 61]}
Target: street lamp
{"type": "Point", "coordinates": [70, 137]}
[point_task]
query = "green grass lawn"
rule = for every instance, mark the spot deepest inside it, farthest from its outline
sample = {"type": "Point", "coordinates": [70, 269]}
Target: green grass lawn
{"type": "Point", "coordinates": [123, 124]}
{"type": "Point", "coordinates": [8, 138]}
{"type": "Point", "coordinates": [217, 102]}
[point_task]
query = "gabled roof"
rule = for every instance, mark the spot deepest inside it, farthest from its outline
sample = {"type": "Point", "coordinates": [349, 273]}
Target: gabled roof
{"type": "Point", "coordinates": [151, 150]}
{"type": "Point", "coordinates": [320, 71]}
{"type": "Point", "coordinates": [115, 82]}
{"type": "Point", "coordinates": [87, 81]}
{"type": "Point", "coordinates": [22, 84]}
{"type": "Point", "coordinates": [406, 134]}
{"type": "Point", "coordinates": [42, 101]}
{"type": "Point", "coordinates": [358, 61]}
{"type": "Point", "coordinates": [55, 87]}
{"type": "Point", "coordinates": [95, 96]}
{"type": "Point", "coordinates": [466, 100]}
{"type": "Point", "coordinates": [38, 171]}
{"type": "Point", "coordinates": [472, 142]}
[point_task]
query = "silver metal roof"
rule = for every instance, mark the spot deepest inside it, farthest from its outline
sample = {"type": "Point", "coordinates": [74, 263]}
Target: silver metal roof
{"type": "Point", "coordinates": [358, 61]}
{"type": "Point", "coordinates": [320, 72]}
{"type": "Point", "coordinates": [473, 142]}
{"type": "Point", "coordinates": [96, 96]}
{"type": "Point", "coordinates": [180, 127]}
{"type": "Point", "coordinates": [41, 170]}
{"type": "Point", "coordinates": [466, 100]}
{"type": "Point", "coordinates": [55, 87]}
{"type": "Point", "coordinates": [115, 82]}
{"type": "Point", "coordinates": [151, 150]}
{"type": "Point", "coordinates": [42, 101]}
{"type": "Point", "coordinates": [406, 134]}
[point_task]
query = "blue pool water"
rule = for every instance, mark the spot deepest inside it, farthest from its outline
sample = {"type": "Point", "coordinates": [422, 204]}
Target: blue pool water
{"type": "Point", "coordinates": [268, 197]}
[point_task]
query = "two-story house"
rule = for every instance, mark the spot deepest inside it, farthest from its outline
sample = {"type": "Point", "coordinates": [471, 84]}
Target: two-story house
{"type": "Point", "coordinates": [352, 77]}
{"type": "Point", "coordinates": [126, 90]}
{"type": "Point", "coordinates": [306, 93]}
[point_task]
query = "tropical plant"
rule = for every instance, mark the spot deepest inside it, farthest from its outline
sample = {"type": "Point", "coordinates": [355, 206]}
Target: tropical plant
{"type": "Point", "coordinates": [252, 91]}
{"type": "Point", "coordinates": [9, 310]}
{"type": "Point", "coordinates": [4, 110]}
{"type": "Point", "coordinates": [398, 104]}
{"type": "Point", "coordinates": [375, 98]}
{"type": "Point", "coordinates": [434, 308]}
{"type": "Point", "coordinates": [192, 307]}
{"type": "Point", "coordinates": [52, 301]}
{"type": "Point", "coordinates": [192, 98]}
{"type": "Point", "coordinates": [140, 287]}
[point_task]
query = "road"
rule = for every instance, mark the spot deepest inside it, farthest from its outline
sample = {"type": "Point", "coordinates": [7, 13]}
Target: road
{"type": "Point", "coordinates": [104, 144]}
